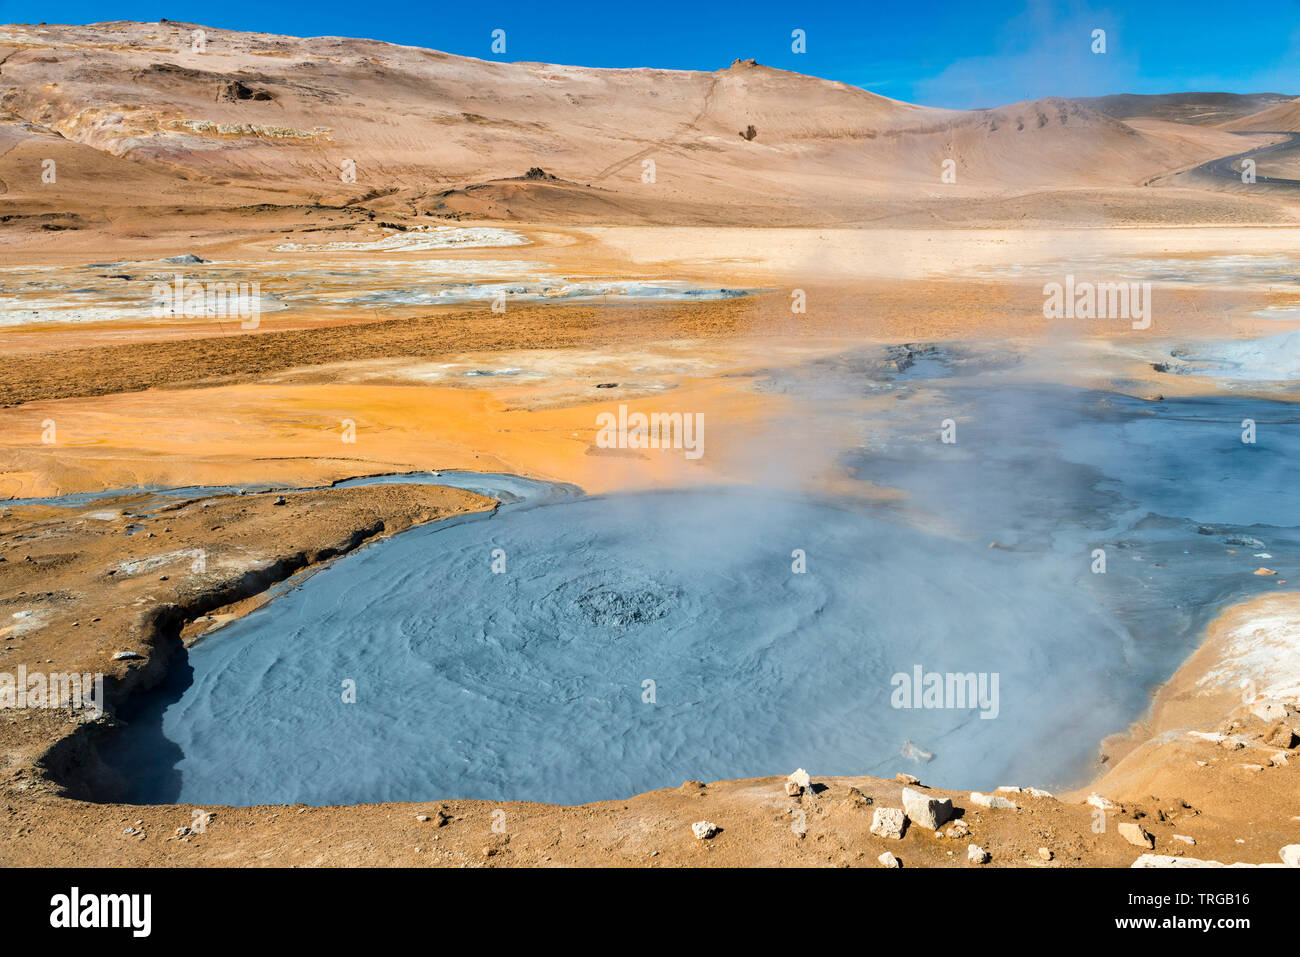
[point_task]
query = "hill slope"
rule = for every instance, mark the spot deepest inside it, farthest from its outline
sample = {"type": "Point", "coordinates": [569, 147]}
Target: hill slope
{"type": "Point", "coordinates": [334, 121]}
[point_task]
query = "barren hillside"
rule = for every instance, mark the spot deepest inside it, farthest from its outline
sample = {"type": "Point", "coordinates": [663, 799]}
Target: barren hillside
{"type": "Point", "coordinates": [254, 120]}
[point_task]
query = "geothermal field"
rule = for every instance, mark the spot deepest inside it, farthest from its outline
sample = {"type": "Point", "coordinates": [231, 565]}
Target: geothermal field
{"type": "Point", "coordinates": [413, 459]}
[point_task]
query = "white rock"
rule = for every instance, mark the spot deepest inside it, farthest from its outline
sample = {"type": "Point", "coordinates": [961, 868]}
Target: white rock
{"type": "Point", "coordinates": [1133, 833]}
{"type": "Point", "coordinates": [704, 829]}
{"type": "Point", "coordinates": [914, 752]}
{"type": "Point", "coordinates": [800, 825]}
{"type": "Point", "coordinates": [1164, 860]}
{"type": "Point", "coordinates": [1185, 839]}
{"type": "Point", "coordinates": [1009, 789]}
{"type": "Point", "coordinates": [1096, 800]}
{"type": "Point", "coordinates": [888, 822]}
{"type": "Point", "coordinates": [976, 854]}
{"type": "Point", "coordinates": [929, 812]}
{"type": "Point", "coordinates": [1269, 710]}
{"type": "Point", "coordinates": [887, 859]}
{"type": "Point", "coordinates": [797, 783]}
{"type": "Point", "coordinates": [1290, 855]}
{"type": "Point", "coordinates": [1039, 793]}
{"type": "Point", "coordinates": [991, 801]}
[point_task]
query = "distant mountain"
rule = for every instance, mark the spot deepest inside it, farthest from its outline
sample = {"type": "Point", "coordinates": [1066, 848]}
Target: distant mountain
{"type": "Point", "coordinates": [138, 115]}
{"type": "Point", "coordinates": [1284, 117]}
{"type": "Point", "coordinates": [1197, 109]}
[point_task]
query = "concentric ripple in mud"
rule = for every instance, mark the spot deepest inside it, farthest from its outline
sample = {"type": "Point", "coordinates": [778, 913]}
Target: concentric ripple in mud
{"type": "Point", "coordinates": [631, 643]}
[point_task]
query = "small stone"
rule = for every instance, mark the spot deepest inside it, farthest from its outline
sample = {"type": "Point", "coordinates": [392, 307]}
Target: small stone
{"type": "Point", "coordinates": [929, 812]}
{"type": "Point", "coordinates": [887, 859]}
{"type": "Point", "coordinates": [991, 801]}
{"type": "Point", "coordinates": [1281, 736]}
{"type": "Point", "coordinates": [1165, 860]}
{"type": "Point", "coordinates": [1268, 710]}
{"type": "Point", "coordinates": [1045, 853]}
{"type": "Point", "coordinates": [1185, 839]}
{"type": "Point", "coordinates": [1290, 855]}
{"type": "Point", "coordinates": [126, 655]}
{"type": "Point", "coordinates": [976, 854]}
{"type": "Point", "coordinates": [422, 817]}
{"type": "Point", "coordinates": [888, 822]}
{"type": "Point", "coordinates": [858, 798]}
{"type": "Point", "coordinates": [1134, 834]}
{"type": "Point", "coordinates": [959, 828]}
{"type": "Point", "coordinates": [904, 778]}
{"type": "Point", "coordinates": [1231, 744]}
{"type": "Point", "coordinates": [800, 825]}
{"type": "Point", "coordinates": [797, 783]}
{"type": "Point", "coordinates": [703, 830]}
{"type": "Point", "coordinates": [1009, 789]}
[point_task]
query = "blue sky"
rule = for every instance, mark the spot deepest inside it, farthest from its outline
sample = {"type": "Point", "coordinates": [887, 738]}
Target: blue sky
{"type": "Point", "coordinates": [936, 52]}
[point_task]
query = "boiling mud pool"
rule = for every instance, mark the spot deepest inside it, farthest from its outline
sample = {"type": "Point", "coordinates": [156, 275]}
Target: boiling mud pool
{"type": "Point", "coordinates": [632, 642]}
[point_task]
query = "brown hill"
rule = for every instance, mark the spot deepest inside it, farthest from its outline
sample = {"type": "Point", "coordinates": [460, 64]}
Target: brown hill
{"type": "Point", "coordinates": [1195, 109]}
{"type": "Point", "coordinates": [289, 120]}
{"type": "Point", "coordinates": [1281, 117]}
